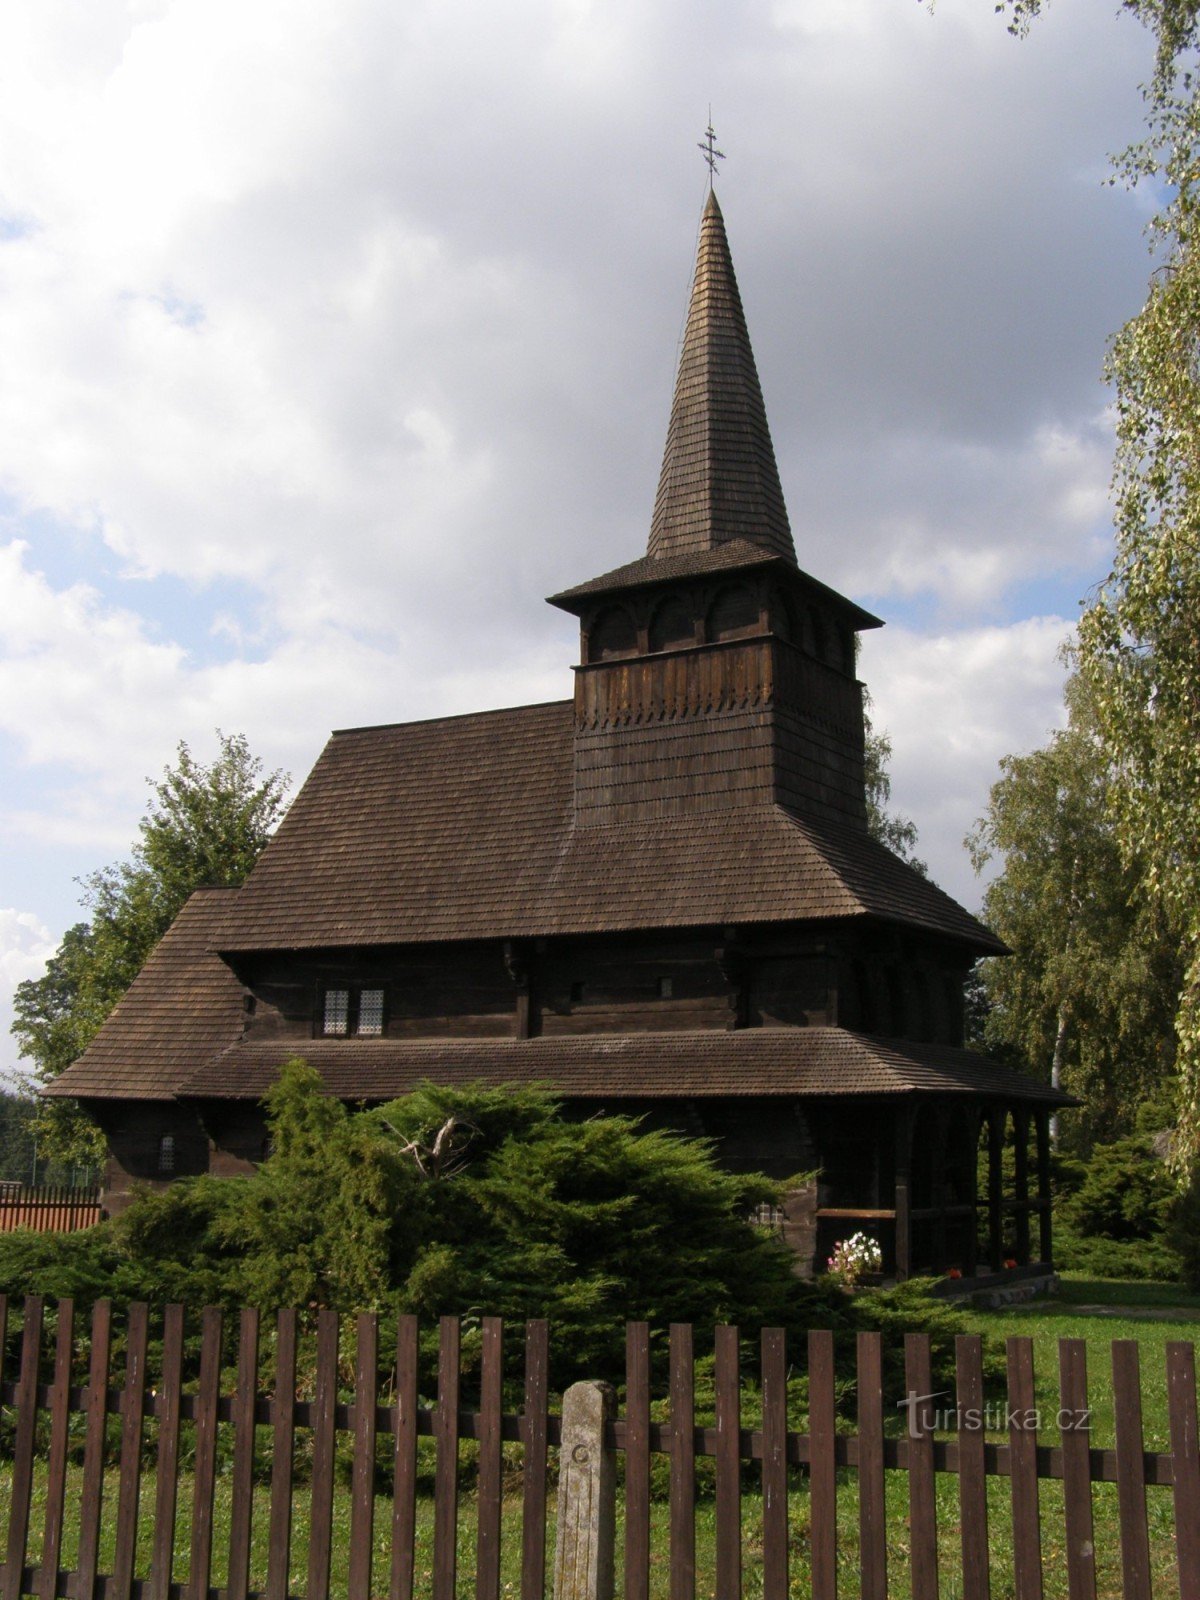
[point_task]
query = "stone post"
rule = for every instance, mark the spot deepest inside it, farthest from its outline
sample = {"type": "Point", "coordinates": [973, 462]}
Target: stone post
{"type": "Point", "coordinates": [587, 1502]}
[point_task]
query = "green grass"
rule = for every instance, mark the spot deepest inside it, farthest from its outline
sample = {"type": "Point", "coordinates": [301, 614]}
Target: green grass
{"type": "Point", "coordinates": [1150, 1313]}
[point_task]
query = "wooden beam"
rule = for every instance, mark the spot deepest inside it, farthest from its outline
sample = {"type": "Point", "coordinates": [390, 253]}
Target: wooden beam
{"type": "Point", "coordinates": [904, 1132]}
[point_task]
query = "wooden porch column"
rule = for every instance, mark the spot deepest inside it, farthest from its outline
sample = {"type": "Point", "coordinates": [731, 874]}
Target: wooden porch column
{"type": "Point", "coordinates": [996, 1119]}
{"type": "Point", "coordinates": [941, 1188]}
{"type": "Point", "coordinates": [1045, 1238]}
{"type": "Point", "coordinates": [1021, 1137]}
{"type": "Point", "coordinates": [904, 1133]}
{"type": "Point", "coordinates": [971, 1256]}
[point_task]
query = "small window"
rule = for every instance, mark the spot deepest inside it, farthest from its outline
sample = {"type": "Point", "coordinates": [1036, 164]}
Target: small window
{"type": "Point", "coordinates": [370, 1012]}
{"type": "Point", "coordinates": [166, 1153]}
{"type": "Point", "coordinates": [666, 988]}
{"type": "Point", "coordinates": [336, 1018]}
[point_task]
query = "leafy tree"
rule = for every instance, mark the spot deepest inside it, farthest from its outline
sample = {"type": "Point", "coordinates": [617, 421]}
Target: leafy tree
{"type": "Point", "coordinates": [1140, 638]}
{"type": "Point", "coordinates": [1088, 995]}
{"type": "Point", "coordinates": [206, 824]}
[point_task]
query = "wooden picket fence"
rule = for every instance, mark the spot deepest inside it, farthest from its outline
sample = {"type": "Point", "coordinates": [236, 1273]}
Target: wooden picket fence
{"type": "Point", "coordinates": [48, 1208]}
{"type": "Point", "coordinates": [171, 1425]}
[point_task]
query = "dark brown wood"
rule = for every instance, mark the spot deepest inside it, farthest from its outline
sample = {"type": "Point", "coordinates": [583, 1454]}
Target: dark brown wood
{"type": "Point", "coordinates": [995, 1189]}
{"type": "Point", "coordinates": [487, 1543]}
{"type": "Point", "coordinates": [534, 1426]}
{"type": "Point", "coordinates": [822, 1419]}
{"type": "Point", "coordinates": [362, 1472]}
{"type": "Point", "coordinates": [324, 1440]}
{"type": "Point", "coordinates": [445, 1512]}
{"type": "Point", "coordinates": [241, 1508]}
{"type": "Point", "coordinates": [24, 1442]}
{"type": "Point", "coordinates": [1074, 1424]}
{"type": "Point", "coordinates": [1185, 1463]}
{"type": "Point", "coordinates": [727, 1379]}
{"type": "Point", "coordinates": [1021, 1183]}
{"type": "Point", "coordinates": [922, 1502]}
{"type": "Point", "coordinates": [133, 1408]}
{"type": "Point", "coordinates": [283, 1431]}
{"type": "Point", "coordinates": [971, 1251]}
{"type": "Point", "coordinates": [872, 1525]}
{"type": "Point", "coordinates": [972, 1482]}
{"type": "Point", "coordinates": [204, 1481]}
{"type": "Point", "coordinates": [92, 1485]}
{"type": "Point", "coordinates": [774, 1464]}
{"type": "Point", "coordinates": [404, 1461]}
{"type": "Point", "coordinates": [1023, 1468]}
{"type": "Point", "coordinates": [1131, 1469]}
{"type": "Point", "coordinates": [56, 1469]}
{"type": "Point", "coordinates": [166, 1473]}
{"type": "Point", "coordinates": [1045, 1216]}
{"type": "Point", "coordinates": [683, 1464]}
{"type": "Point", "coordinates": [637, 1461]}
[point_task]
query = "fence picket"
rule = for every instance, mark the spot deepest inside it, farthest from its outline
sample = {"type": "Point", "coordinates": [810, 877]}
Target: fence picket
{"type": "Point", "coordinates": [96, 1412]}
{"type": "Point", "coordinates": [972, 1467]}
{"type": "Point", "coordinates": [56, 1470]}
{"type": "Point", "coordinates": [241, 1509]}
{"type": "Point", "coordinates": [487, 1532]}
{"type": "Point", "coordinates": [1074, 1438]}
{"type": "Point", "coordinates": [729, 1462]}
{"type": "Point", "coordinates": [166, 1488]}
{"type": "Point", "coordinates": [1023, 1479]}
{"type": "Point", "coordinates": [1131, 1469]}
{"type": "Point", "coordinates": [922, 1502]}
{"type": "Point", "coordinates": [872, 1524]}
{"type": "Point", "coordinates": [362, 1473]}
{"type": "Point", "coordinates": [324, 1444]}
{"type": "Point", "coordinates": [283, 1438]}
{"type": "Point", "coordinates": [637, 1461]}
{"type": "Point", "coordinates": [404, 1461]}
{"type": "Point", "coordinates": [445, 1512]}
{"type": "Point", "coordinates": [23, 1448]}
{"type": "Point", "coordinates": [1185, 1464]}
{"type": "Point", "coordinates": [533, 1508]}
{"type": "Point", "coordinates": [129, 1481]}
{"type": "Point", "coordinates": [204, 1480]}
{"type": "Point", "coordinates": [774, 1464]}
{"type": "Point", "coordinates": [822, 1426]}
{"type": "Point", "coordinates": [682, 1522]}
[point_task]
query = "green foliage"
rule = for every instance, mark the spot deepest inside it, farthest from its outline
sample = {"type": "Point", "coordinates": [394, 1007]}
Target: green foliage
{"type": "Point", "coordinates": [1138, 641]}
{"type": "Point", "coordinates": [205, 825]}
{"type": "Point", "coordinates": [1088, 996]}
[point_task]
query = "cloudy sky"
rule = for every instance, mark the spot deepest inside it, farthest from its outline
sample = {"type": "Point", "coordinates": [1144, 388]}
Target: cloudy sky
{"type": "Point", "coordinates": [336, 333]}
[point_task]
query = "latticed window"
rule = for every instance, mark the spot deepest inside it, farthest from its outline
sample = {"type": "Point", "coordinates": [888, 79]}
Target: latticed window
{"type": "Point", "coordinates": [166, 1153]}
{"type": "Point", "coordinates": [765, 1215]}
{"type": "Point", "coordinates": [352, 1010]}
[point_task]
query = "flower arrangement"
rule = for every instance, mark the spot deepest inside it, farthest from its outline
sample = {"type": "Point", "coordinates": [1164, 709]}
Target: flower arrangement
{"type": "Point", "coordinates": [853, 1258]}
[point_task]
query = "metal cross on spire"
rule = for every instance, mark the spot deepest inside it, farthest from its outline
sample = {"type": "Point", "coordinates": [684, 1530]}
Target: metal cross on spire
{"type": "Point", "coordinates": [709, 146]}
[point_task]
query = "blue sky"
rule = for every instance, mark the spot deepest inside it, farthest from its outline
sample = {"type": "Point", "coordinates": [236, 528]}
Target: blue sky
{"type": "Point", "coordinates": [338, 334]}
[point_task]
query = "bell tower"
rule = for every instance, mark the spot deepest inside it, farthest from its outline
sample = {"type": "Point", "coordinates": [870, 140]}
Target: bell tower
{"type": "Point", "coordinates": [714, 674]}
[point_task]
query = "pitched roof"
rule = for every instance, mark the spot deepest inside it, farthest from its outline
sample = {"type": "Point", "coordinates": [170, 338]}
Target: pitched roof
{"type": "Point", "coordinates": [464, 827]}
{"type": "Point", "coordinates": [719, 480]}
{"type": "Point", "coordinates": [184, 1006]}
{"type": "Point", "coordinates": [737, 555]}
{"type": "Point", "coordinates": [711, 1064]}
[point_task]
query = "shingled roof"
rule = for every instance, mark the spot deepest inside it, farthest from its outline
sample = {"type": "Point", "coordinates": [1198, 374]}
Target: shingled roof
{"type": "Point", "coordinates": [719, 480]}
{"type": "Point", "coordinates": [642, 1066]}
{"type": "Point", "coordinates": [464, 827]}
{"type": "Point", "coordinates": [184, 1006]}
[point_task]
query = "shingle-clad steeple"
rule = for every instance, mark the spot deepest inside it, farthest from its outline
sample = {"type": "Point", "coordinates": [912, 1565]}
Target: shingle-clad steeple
{"type": "Point", "coordinates": [719, 480]}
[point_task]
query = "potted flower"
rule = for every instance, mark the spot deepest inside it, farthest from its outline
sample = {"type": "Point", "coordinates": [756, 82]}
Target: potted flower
{"type": "Point", "coordinates": [853, 1258]}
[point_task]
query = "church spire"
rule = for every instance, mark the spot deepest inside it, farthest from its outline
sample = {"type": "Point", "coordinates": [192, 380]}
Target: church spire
{"type": "Point", "coordinates": [719, 480]}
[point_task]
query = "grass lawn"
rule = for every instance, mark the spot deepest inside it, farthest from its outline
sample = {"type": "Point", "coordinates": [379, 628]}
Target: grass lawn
{"type": "Point", "coordinates": [1098, 1311]}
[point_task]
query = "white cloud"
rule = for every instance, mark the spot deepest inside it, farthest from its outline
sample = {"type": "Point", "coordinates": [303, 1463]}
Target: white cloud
{"type": "Point", "coordinates": [26, 944]}
{"type": "Point", "coordinates": [953, 705]}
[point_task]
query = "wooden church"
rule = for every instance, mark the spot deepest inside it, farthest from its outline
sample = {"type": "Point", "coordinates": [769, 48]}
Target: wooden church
{"type": "Point", "coordinates": [659, 897]}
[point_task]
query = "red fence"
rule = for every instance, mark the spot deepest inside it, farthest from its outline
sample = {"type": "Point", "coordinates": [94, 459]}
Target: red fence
{"type": "Point", "coordinates": [48, 1208]}
{"type": "Point", "coordinates": [328, 1470]}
